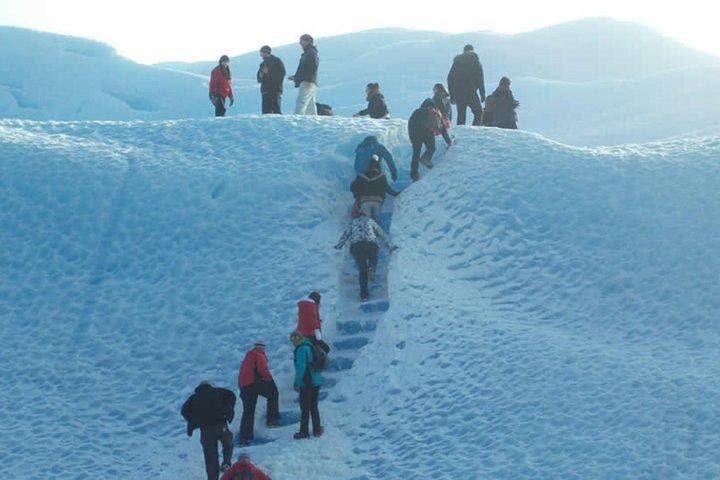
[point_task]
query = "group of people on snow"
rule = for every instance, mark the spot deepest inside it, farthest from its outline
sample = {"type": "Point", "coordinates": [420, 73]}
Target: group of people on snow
{"type": "Point", "coordinates": [211, 409]}
{"type": "Point", "coordinates": [465, 82]}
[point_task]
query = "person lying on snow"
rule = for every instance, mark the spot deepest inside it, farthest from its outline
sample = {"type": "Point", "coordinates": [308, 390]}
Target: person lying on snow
{"type": "Point", "coordinates": [366, 149]}
{"type": "Point", "coordinates": [243, 469]}
{"type": "Point", "coordinates": [377, 108]}
{"type": "Point", "coordinates": [365, 235]}
{"type": "Point", "coordinates": [424, 124]}
{"type": "Point", "coordinates": [370, 188]}
{"type": "Point", "coordinates": [255, 379]}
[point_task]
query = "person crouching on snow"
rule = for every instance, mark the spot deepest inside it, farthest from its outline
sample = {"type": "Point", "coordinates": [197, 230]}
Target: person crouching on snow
{"type": "Point", "coordinates": [377, 108]}
{"type": "Point", "coordinates": [501, 106]}
{"type": "Point", "coordinates": [365, 235]}
{"type": "Point", "coordinates": [221, 86]}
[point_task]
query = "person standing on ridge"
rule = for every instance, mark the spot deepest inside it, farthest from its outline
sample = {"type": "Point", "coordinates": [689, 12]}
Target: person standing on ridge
{"type": "Point", "coordinates": [370, 188]}
{"type": "Point", "coordinates": [500, 107]}
{"type": "Point", "coordinates": [309, 323]}
{"type": "Point", "coordinates": [369, 147]}
{"type": "Point", "coordinates": [305, 77]}
{"type": "Point", "coordinates": [465, 80]}
{"type": "Point", "coordinates": [221, 86]}
{"type": "Point", "coordinates": [210, 409]}
{"type": "Point", "coordinates": [255, 379]}
{"type": "Point", "coordinates": [377, 108]}
{"type": "Point", "coordinates": [270, 76]}
{"type": "Point", "coordinates": [307, 382]}
{"type": "Point", "coordinates": [243, 469]}
{"type": "Point", "coordinates": [364, 235]}
{"type": "Point", "coordinates": [442, 104]}
{"type": "Point", "coordinates": [423, 125]}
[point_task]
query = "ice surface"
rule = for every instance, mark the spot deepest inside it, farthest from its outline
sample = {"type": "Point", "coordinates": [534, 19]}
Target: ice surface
{"type": "Point", "coordinates": [553, 310]}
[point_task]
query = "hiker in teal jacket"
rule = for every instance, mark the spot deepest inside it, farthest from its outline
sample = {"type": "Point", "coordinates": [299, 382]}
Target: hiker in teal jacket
{"type": "Point", "coordinates": [307, 382]}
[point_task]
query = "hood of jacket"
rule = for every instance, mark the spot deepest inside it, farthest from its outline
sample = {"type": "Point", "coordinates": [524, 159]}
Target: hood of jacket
{"type": "Point", "coordinates": [428, 103]}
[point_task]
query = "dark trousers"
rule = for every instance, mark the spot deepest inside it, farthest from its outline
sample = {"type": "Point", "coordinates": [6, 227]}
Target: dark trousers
{"type": "Point", "coordinates": [309, 397]}
{"type": "Point", "coordinates": [475, 107]}
{"type": "Point", "coordinates": [210, 435]}
{"type": "Point", "coordinates": [219, 103]}
{"type": "Point", "coordinates": [428, 139]}
{"type": "Point", "coordinates": [366, 255]}
{"type": "Point", "coordinates": [249, 396]}
{"type": "Point", "coordinates": [271, 102]}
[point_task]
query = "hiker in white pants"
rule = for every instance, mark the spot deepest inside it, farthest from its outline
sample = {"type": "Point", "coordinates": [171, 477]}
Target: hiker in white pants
{"type": "Point", "coordinates": [306, 99]}
{"type": "Point", "coordinates": [305, 77]}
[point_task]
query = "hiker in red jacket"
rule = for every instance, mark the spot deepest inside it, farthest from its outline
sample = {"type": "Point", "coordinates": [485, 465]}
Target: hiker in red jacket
{"type": "Point", "coordinates": [221, 86]}
{"type": "Point", "coordinates": [309, 323]}
{"type": "Point", "coordinates": [256, 380]}
{"type": "Point", "coordinates": [244, 469]}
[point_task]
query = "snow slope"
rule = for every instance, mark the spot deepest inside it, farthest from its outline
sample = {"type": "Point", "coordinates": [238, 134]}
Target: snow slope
{"type": "Point", "coordinates": [552, 309]}
{"type": "Point", "coordinates": [554, 315]}
{"type": "Point", "coordinates": [140, 258]}
{"type": "Point", "coordinates": [46, 76]}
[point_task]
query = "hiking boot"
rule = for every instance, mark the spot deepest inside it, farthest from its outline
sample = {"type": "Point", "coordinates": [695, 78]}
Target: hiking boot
{"type": "Point", "coordinates": [224, 467]}
{"type": "Point", "coordinates": [274, 424]}
{"type": "Point", "coordinates": [415, 176]}
{"type": "Point", "coordinates": [427, 162]}
{"type": "Point", "coordinates": [300, 435]}
{"type": "Point", "coordinates": [319, 432]}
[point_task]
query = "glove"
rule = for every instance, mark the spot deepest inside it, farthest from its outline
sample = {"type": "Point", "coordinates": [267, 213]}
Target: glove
{"type": "Point", "coordinates": [232, 100]}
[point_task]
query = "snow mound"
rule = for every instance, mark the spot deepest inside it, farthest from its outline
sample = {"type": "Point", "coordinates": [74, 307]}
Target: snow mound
{"type": "Point", "coordinates": [46, 76]}
{"type": "Point", "coordinates": [554, 315]}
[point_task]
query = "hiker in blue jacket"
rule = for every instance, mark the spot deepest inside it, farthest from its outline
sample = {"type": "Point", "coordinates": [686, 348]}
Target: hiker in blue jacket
{"type": "Point", "coordinates": [307, 382]}
{"type": "Point", "coordinates": [369, 147]}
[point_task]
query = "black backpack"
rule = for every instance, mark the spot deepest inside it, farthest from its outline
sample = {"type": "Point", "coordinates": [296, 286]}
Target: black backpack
{"type": "Point", "coordinates": [320, 352]}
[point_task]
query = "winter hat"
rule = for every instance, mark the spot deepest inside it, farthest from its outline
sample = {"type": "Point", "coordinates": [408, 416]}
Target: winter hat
{"type": "Point", "coordinates": [265, 49]}
{"type": "Point", "coordinates": [315, 296]}
{"type": "Point", "coordinates": [308, 38]}
{"type": "Point", "coordinates": [374, 162]}
{"type": "Point", "coordinates": [243, 456]}
{"type": "Point", "coordinates": [468, 48]}
{"type": "Point", "coordinates": [427, 103]}
{"type": "Point", "coordinates": [224, 58]}
{"type": "Point", "coordinates": [260, 343]}
{"type": "Point", "coordinates": [204, 382]}
{"type": "Point", "coordinates": [505, 81]}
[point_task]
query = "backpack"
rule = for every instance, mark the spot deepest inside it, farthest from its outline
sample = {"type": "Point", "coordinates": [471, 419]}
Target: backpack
{"type": "Point", "coordinates": [244, 475]}
{"type": "Point", "coordinates": [324, 110]}
{"type": "Point", "coordinates": [320, 352]}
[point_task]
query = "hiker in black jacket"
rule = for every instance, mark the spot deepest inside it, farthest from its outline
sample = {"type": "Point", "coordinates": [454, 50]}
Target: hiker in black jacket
{"type": "Point", "coordinates": [305, 77]}
{"type": "Point", "coordinates": [423, 125]}
{"type": "Point", "coordinates": [370, 188]}
{"type": "Point", "coordinates": [377, 108]}
{"type": "Point", "coordinates": [270, 76]}
{"type": "Point", "coordinates": [465, 80]}
{"type": "Point", "coordinates": [501, 106]}
{"type": "Point", "coordinates": [210, 409]}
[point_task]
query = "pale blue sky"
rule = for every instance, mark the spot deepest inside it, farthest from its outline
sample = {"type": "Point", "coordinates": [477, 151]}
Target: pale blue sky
{"type": "Point", "coordinates": [151, 31]}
